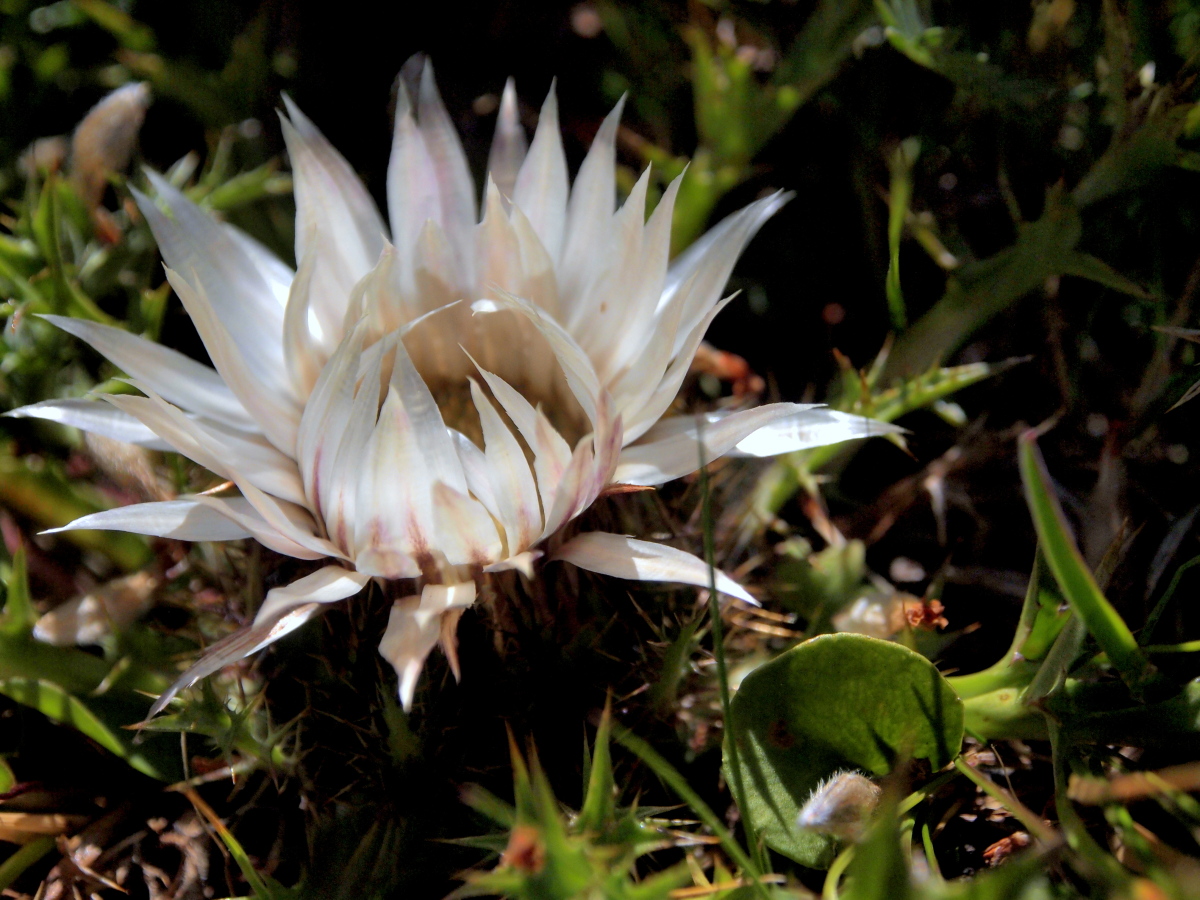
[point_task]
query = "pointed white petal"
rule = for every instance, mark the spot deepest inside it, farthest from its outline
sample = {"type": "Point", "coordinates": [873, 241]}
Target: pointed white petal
{"type": "Point", "coordinates": [304, 352]}
{"type": "Point", "coordinates": [183, 381]}
{"type": "Point", "coordinates": [455, 186]}
{"type": "Point", "coordinates": [734, 231]}
{"type": "Point", "coordinates": [408, 452]}
{"type": "Point", "coordinates": [509, 144]}
{"type": "Point", "coordinates": [289, 521]}
{"type": "Point", "coordinates": [325, 416]}
{"type": "Point", "coordinates": [183, 520]}
{"type": "Point", "coordinates": [340, 471]}
{"type": "Point", "coordinates": [593, 197]}
{"type": "Point", "coordinates": [414, 627]}
{"type": "Point", "coordinates": [257, 461]}
{"type": "Point", "coordinates": [811, 428]}
{"type": "Point", "coordinates": [276, 411]}
{"type": "Point", "coordinates": [412, 187]}
{"type": "Point", "coordinates": [672, 448]}
{"type": "Point", "coordinates": [644, 287]}
{"type": "Point", "coordinates": [240, 511]}
{"type": "Point", "coordinates": [466, 534]}
{"type": "Point", "coordinates": [551, 454]}
{"type": "Point", "coordinates": [274, 271]}
{"type": "Point", "coordinates": [290, 607]}
{"type": "Point", "coordinates": [95, 416]}
{"type": "Point", "coordinates": [571, 496]}
{"type": "Point", "coordinates": [614, 299]}
{"type": "Point", "coordinates": [644, 395]}
{"type": "Point", "coordinates": [475, 468]}
{"type": "Point", "coordinates": [512, 482]}
{"type": "Point", "coordinates": [193, 242]}
{"type": "Point", "coordinates": [542, 185]}
{"type": "Point", "coordinates": [331, 201]}
{"type": "Point", "coordinates": [327, 585]}
{"type": "Point", "coordinates": [697, 281]}
{"type": "Point", "coordinates": [626, 557]}
{"type": "Point", "coordinates": [236, 647]}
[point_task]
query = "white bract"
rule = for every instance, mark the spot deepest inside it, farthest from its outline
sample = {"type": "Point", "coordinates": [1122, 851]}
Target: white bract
{"type": "Point", "coordinates": [430, 407]}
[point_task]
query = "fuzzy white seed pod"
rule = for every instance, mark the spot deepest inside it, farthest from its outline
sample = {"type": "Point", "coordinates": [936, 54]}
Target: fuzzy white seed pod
{"type": "Point", "coordinates": [840, 806]}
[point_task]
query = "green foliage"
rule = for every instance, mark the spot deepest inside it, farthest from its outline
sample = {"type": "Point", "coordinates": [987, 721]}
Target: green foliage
{"type": "Point", "coordinates": [835, 702]}
{"type": "Point", "coordinates": [589, 854]}
{"type": "Point", "coordinates": [1076, 582]}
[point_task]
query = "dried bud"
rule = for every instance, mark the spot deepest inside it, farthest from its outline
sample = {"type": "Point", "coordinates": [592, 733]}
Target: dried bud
{"type": "Point", "coordinates": [840, 806]}
{"type": "Point", "coordinates": [88, 619]}
{"type": "Point", "coordinates": [104, 141]}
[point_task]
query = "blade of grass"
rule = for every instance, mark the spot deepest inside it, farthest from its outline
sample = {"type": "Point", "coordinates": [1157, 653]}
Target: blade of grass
{"type": "Point", "coordinates": [674, 780]}
{"type": "Point", "coordinates": [718, 639]}
{"type": "Point", "coordinates": [1076, 582]}
{"type": "Point", "coordinates": [899, 196]}
{"type": "Point", "coordinates": [25, 856]}
{"type": "Point", "coordinates": [262, 890]}
{"type": "Point", "coordinates": [1161, 606]}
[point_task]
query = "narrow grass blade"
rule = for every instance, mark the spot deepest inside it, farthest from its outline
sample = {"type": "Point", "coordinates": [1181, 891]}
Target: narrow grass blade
{"type": "Point", "coordinates": [1076, 582]}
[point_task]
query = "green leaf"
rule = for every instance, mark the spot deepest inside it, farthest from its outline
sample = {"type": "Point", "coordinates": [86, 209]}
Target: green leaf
{"type": "Point", "coordinates": [1076, 582]}
{"type": "Point", "coordinates": [7, 779]}
{"type": "Point", "coordinates": [598, 806]}
{"type": "Point", "coordinates": [19, 615]}
{"type": "Point", "coordinates": [839, 701]}
{"type": "Point", "coordinates": [55, 703]}
{"type": "Point", "coordinates": [24, 857]}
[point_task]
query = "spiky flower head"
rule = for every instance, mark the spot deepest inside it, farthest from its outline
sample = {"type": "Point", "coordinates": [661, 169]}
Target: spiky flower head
{"type": "Point", "coordinates": [429, 407]}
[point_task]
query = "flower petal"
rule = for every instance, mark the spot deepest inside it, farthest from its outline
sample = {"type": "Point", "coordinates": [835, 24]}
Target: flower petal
{"type": "Point", "coordinates": [626, 557]}
{"type": "Point", "coordinates": [542, 184]}
{"type": "Point", "coordinates": [183, 520]}
{"type": "Point", "coordinates": [551, 454]}
{"type": "Point", "coordinates": [512, 482]}
{"type": "Point", "coordinates": [455, 186]}
{"type": "Point", "coordinates": [509, 144]}
{"type": "Point", "coordinates": [287, 520]}
{"type": "Point", "coordinates": [275, 410]}
{"type": "Point", "coordinates": [188, 384]}
{"type": "Point", "coordinates": [593, 198]}
{"type": "Point", "coordinates": [672, 448]}
{"type": "Point", "coordinates": [414, 626]}
{"type": "Point", "coordinates": [412, 187]}
{"type": "Point", "coordinates": [284, 610]}
{"type": "Point", "coordinates": [95, 416]}
{"type": "Point", "coordinates": [811, 428]}
{"type": "Point", "coordinates": [335, 217]}
{"type": "Point", "coordinates": [193, 242]}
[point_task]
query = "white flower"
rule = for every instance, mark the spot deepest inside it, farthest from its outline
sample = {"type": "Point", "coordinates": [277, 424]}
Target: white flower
{"type": "Point", "coordinates": [431, 408]}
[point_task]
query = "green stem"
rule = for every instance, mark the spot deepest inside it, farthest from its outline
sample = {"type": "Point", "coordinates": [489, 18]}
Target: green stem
{"type": "Point", "coordinates": [718, 638]}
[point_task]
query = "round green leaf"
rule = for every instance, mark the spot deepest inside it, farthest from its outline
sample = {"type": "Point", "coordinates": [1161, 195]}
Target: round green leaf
{"type": "Point", "coordinates": [839, 701]}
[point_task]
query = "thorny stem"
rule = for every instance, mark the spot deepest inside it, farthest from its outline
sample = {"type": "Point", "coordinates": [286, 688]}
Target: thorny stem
{"type": "Point", "coordinates": [718, 638]}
